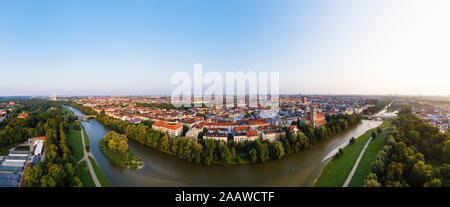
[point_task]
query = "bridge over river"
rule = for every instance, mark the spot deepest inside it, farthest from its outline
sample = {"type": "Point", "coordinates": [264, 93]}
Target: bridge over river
{"type": "Point", "coordinates": [378, 117]}
{"type": "Point", "coordinates": [86, 117]}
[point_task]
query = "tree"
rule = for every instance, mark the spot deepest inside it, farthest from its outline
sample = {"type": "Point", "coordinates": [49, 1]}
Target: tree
{"type": "Point", "coordinates": [164, 146]}
{"type": "Point", "coordinates": [372, 181]}
{"type": "Point", "coordinates": [421, 173]}
{"type": "Point", "coordinates": [225, 154]}
{"type": "Point", "coordinates": [414, 136]}
{"type": "Point", "coordinates": [116, 142]}
{"type": "Point", "coordinates": [379, 130]}
{"type": "Point", "coordinates": [434, 182]}
{"type": "Point", "coordinates": [263, 151]}
{"type": "Point", "coordinates": [352, 140]}
{"type": "Point", "coordinates": [277, 149]}
{"type": "Point", "coordinates": [77, 125]}
{"type": "Point", "coordinates": [253, 155]}
{"type": "Point", "coordinates": [446, 152]}
{"type": "Point", "coordinates": [444, 172]}
{"type": "Point", "coordinates": [185, 129]}
{"type": "Point", "coordinates": [374, 135]}
{"type": "Point", "coordinates": [122, 146]}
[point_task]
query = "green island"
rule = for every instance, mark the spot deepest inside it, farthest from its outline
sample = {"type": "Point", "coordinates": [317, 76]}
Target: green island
{"type": "Point", "coordinates": [114, 146]}
{"type": "Point", "coordinates": [337, 170]}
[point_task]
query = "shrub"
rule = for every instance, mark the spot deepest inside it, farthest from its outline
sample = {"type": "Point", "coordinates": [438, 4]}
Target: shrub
{"type": "Point", "coordinates": [379, 130]}
{"type": "Point", "coordinates": [352, 140]}
{"type": "Point", "coordinates": [374, 135]}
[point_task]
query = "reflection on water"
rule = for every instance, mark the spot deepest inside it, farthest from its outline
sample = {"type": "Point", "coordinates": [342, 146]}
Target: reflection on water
{"type": "Point", "coordinates": [298, 169]}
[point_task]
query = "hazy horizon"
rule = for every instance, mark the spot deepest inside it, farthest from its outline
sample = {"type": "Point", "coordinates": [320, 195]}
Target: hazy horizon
{"type": "Point", "coordinates": [130, 48]}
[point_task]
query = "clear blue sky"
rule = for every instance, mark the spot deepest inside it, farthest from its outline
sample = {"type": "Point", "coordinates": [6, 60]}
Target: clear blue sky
{"type": "Point", "coordinates": [133, 47]}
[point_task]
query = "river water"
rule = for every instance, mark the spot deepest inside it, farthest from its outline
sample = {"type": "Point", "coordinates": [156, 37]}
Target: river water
{"type": "Point", "coordinates": [160, 169]}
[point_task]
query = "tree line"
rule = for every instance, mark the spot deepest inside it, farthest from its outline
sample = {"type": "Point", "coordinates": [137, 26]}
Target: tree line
{"type": "Point", "coordinates": [411, 146]}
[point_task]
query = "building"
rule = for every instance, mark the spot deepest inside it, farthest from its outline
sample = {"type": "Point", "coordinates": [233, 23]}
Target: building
{"type": "Point", "coordinates": [38, 147]}
{"type": "Point", "coordinates": [134, 121]}
{"type": "Point", "coordinates": [315, 118]}
{"type": "Point", "coordinates": [9, 179]}
{"type": "Point", "coordinates": [216, 136]}
{"type": "Point", "coordinates": [272, 134]}
{"type": "Point", "coordinates": [22, 115]}
{"type": "Point", "coordinates": [252, 136]}
{"type": "Point", "coordinates": [188, 122]}
{"type": "Point", "coordinates": [35, 160]}
{"type": "Point", "coordinates": [193, 133]}
{"type": "Point", "coordinates": [173, 130]}
{"type": "Point", "coordinates": [244, 133]}
{"type": "Point", "coordinates": [293, 129]}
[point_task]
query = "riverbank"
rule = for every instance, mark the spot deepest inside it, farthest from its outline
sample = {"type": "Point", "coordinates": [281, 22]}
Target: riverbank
{"type": "Point", "coordinates": [98, 172]}
{"type": "Point", "coordinates": [337, 169]}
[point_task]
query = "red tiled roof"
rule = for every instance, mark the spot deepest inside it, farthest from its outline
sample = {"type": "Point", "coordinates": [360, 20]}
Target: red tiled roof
{"type": "Point", "coordinates": [242, 128]}
{"type": "Point", "coordinates": [251, 134]}
{"type": "Point", "coordinates": [293, 127]}
{"type": "Point", "coordinates": [167, 125]}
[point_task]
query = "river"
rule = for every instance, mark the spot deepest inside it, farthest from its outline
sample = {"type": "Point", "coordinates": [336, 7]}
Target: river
{"type": "Point", "coordinates": [160, 169]}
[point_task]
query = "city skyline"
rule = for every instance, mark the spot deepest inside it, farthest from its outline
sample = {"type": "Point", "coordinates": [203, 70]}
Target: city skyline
{"type": "Point", "coordinates": [133, 48]}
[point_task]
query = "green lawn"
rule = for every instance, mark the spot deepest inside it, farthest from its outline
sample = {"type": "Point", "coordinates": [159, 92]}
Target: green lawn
{"type": "Point", "coordinates": [26, 148]}
{"type": "Point", "coordinates": [84, 175]}
{"type": "Point", "coordinates": [67, 111]}
{"type": "Point", "coordinates": [76, 144]}
{"type": "Point", "coordinates": [86, 140]}
{"type": "Point", "coordinates": [100, 176]}
{"type": "Point", "coordinates": [364, 166]}
{"type": "Point", "coordinates": [4, 150]}
{"type": "Point", "coordinates": [337, 170]}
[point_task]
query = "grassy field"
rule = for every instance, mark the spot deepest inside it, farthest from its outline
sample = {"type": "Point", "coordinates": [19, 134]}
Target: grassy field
{"type": "Point", "coordinates": [100, 176]}
{"type": "Point", "coordinates": [76, 144]}
{"type": "Point", "coordinates": [4, 150]}
{"type": "Point", "coordinates": [336, 171]}
{"type": "Point", "coordinates": [84, 175]}
{"type": "Point", "coordinates": [26, 148]}
{"type": "Point", "coordinates": [364, 166]}
{"type": "Point", "coordinates": [86, 140]}
{"type": "Point", "coordinates": [67, 111]}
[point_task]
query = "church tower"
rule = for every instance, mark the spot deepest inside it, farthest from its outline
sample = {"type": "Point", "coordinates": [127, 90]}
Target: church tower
{"type": "Point", "coordinates": [314, 116]}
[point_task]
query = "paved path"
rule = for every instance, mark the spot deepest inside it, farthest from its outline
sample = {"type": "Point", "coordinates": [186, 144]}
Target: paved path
{"type": "Point", "coordinates": [350, 176]}
{"type": "Point", "coordinates": [89, 164]}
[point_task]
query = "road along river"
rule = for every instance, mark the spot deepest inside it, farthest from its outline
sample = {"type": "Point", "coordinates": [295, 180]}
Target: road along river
{"type": "Point", "coordinates": [160, 169]}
